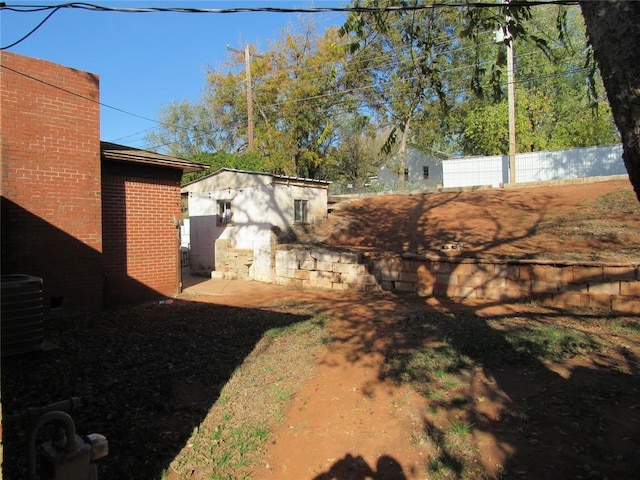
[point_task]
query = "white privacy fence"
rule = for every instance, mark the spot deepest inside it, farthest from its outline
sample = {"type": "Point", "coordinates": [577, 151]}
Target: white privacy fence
{"type": "Point", "coordinates": [534, 166]}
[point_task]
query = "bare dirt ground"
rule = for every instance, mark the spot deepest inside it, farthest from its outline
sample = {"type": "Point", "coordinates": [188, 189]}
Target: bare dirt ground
{"type": "Point", "coordinates": [593, 221]}
{"type": "Point", "coordinates": [151, 375]}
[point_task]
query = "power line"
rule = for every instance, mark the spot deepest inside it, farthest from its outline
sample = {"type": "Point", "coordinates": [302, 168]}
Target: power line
{"type": "Point", "coordinates": [391, 82]}
{"type": "Point", "coordinates": [70, 92]}
{"type": "Point", "coordinates": [77, 94]}
{"type": "Point", "coordinates": [362, 105]}
{"type": "Point", "coordinates": [133, 134]}
{"type": "Point", "coordinates": [33, 30]}
{"type": "Point", "coordinates": [54, 8]}
{"type": "Point", "coordinates": [346, 9]}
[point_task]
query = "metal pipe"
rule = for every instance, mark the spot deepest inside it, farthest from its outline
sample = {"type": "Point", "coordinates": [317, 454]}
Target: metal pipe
{"type": "Point", "coordinates": [32, 414]}
{"type": "Point", "coordinates": [70, 430]}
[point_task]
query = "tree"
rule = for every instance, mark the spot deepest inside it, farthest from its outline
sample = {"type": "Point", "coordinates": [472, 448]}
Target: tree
{"type": "Point", "coordinates": [554, 109]}
{"type": "Point", "coordinates": [187, 128]}
{"type": "Point", "coordinates": [297, 85]}
{"type": "Point", "coordinates": [404, 56]}
{"type": "Point", "coordinates": [613, 28]}
{"type": "Point", "coordinates": [299, 99]}
{"type": "Point", "coordinates": [613, 33]}
{"type": "Point", "coordinates": [241, 161]}
{"type": "Point", "coordinates": [358, 154]}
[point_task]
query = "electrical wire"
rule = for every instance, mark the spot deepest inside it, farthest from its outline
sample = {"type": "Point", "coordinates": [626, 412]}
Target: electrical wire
{"type": "Point", "coordinates": [32, 30]}
{"type": "Point", "coordinates": [346, 9]}
{"type": "Point", "coordinates": [389, 83]}
{"type": "Point", "coordinates": [85, 6]}
{"type": "Point", "coordinates": [363, 106]}
{"type": "Point", "coordinates": [26, 75]}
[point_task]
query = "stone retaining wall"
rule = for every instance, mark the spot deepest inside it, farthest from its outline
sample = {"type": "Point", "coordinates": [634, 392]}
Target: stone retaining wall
{"type": "Point", "coordinates": [232, 263]}
{"type": "Point", "coordinates": [604, 286]}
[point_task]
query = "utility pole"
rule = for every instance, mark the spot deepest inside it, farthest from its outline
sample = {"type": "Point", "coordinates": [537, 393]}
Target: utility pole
{"type": "Point", "coordinates": [247, 67]}
{"type": "Point", "coordinates": [511, 100]}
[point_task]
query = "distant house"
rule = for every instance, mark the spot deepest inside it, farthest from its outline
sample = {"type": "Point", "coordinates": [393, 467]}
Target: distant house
{"type": "Point", "coordinates": [96, 221]}
{"type": "Point", "coordinates": [420, 170]}
{"type": "Point", "coordinates": [236, 217]}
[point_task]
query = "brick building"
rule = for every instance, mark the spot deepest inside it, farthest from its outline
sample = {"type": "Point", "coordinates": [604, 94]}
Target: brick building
{"type": "Point", "coordinates": [96, 221]}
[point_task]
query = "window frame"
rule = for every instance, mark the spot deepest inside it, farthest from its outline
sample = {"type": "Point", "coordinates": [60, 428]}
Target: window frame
{"type": "Point", "coordinates": [225, 211]}
{"type": "Point", "coordinates": [300, 211]}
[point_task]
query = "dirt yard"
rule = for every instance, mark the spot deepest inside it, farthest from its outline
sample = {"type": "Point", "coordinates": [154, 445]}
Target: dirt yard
{"type": "Point", "coordinates": [594, 221]}
{"type": "Point", "coordinates": [375, 402]}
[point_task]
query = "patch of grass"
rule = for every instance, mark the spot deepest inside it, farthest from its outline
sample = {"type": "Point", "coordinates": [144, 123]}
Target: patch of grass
{"type": "Point", "coordinates": [436, 364]}
{"type": "Point", "coordinates": [248, 439]}
{"type": "Point", "coordinates": [315, 324]}
{"type": "Point", "coordinates": [551, 343]}
{"type": "Point", "coordinates": [625, 325]}
{"type": "Point", "coordinates": [230, 440]}
{"type": "Point", "coordinates": [452, 450]}
{"type": "Point", "coordinates": [434, 395]}
{"type": "Point", "coordinates": [281, 395]}
{"type": "Point", "coordinates": [439, 469]}
{"type": "Point", "coordinates": [619, 201]}
{"type": "Point", "coordinates": [458, 429]}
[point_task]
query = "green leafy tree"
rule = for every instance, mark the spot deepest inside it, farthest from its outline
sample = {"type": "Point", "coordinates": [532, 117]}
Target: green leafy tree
{"type": "Point", "coordinates": [300, 101]}
{"type": "Point", "coordinates": [554, 109]}
{"type": "Point", "coordinates": [297, 98]}
{"type": "Point", "coordinates": [406, 57]}
{"type": "Point", "coordinates": [358, 154]}
{"type": "Point", "coordinates": [249, 161]}
{"type": "Point", "coordinates": [613, 36]}
{"type": "Point", "coordinates": [297, 83]}
{"type": "Point", "coordinates": [456, 100]}
{"type": "Point", "coordinates": [187, 128]}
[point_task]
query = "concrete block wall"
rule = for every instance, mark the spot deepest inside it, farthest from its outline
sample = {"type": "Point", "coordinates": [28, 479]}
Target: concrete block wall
{"type": "Point", "coordinates": [50, 179]}
{"type": "Point", "coordinates": [609, 287]}
{"type": "Point", "coordinates": [232, 263]}
{"type": "Point", "coordinates": [604, 286]}
{"type": "Point", "coordinates": [321, 268]}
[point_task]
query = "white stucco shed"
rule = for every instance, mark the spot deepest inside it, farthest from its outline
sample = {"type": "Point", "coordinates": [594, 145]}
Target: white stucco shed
{"type": "Point", "coordinates": [245, 211]}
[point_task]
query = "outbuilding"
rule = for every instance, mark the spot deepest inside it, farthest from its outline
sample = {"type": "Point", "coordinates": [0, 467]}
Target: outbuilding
{"type": "Point", "coordinates": [237, 217]}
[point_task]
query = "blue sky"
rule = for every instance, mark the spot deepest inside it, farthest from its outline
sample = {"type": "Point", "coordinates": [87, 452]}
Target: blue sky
{"type": "Point", "coordinates": [147, 60]}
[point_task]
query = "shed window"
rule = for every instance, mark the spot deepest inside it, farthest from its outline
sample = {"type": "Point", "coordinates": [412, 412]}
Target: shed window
{"type": "Point", "coordinates": [301, 211]}
{"type": "Point", "coordinates": [225, 214]}
{"type": "Point", "coordinates": [406, 174]}
{"type": "Point", "coordinates": [425, 172]}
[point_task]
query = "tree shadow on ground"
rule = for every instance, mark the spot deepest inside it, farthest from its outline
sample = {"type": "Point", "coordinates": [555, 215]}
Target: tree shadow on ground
{"type": "Point", "coordinates": [580, 423]}
{"type": "Point", "coordinates": [147, 375]}
{"type": "Point", "coordinates": [566, 418]}
{"type": "Point", "coordinates": [422, 223]}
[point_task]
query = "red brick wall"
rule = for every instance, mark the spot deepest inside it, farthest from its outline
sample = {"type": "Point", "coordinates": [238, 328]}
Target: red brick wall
{"type": "Point", "coordinates": [50, 179]}
{"type": "Point", "coordinates": [140, 239]}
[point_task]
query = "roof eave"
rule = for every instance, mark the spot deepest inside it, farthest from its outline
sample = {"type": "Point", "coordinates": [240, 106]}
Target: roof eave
{"type": "Point", "coordinates": [119, 153]}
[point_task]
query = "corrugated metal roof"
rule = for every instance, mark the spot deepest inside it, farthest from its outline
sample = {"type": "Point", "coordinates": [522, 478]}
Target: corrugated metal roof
{"type": "Point", "coordinates": [122, 153]}
{"type": "Point", "coordinates": [272, 175]}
